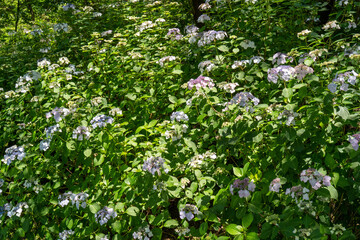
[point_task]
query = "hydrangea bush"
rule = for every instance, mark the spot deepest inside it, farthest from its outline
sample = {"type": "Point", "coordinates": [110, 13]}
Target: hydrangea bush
{"type": "Point", "coordinates": [125, 120]}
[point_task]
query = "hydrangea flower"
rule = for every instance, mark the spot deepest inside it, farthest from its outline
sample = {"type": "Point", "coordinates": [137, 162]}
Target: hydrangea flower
{"type": "Point", "coordinates": [101, 121]}
{"type": "Point", "coordinates": [203, 18]}
{"type": "Point", "coordinates": [154, 164]}
{"type": "Point", "coordinates": [343, 79]}
{"type": "Point", "coordinates": [302, 70]}
{"type": "Point", "coordinates": [143, 233]}
{"type": "Point", "coordinates": [247, 44]}
{"type": "Point", "coordinates": [76, 199]}
{"type": "Point", "coordinates": [166, 59]}
{"type": "Point", "coordinates": [290, 115]}
{"type": "Point", "coordinates": [315, 178]}
{"type": "Point", "coordinates": [228, 87]}
{"type": "Point", "coordinates": [354, 141]}
{"type": "Point", "coordinates": [298, 191]}
{"type": "Point", "coordinates": [51, 130]}
{"type": "Point", "coordinates": [68, 6]}
{"type": "Point", "coordinates": [65, 234]}
{"type": "Point", "coordinates": [256, 59]}
{"type": "Point", "coordinates": [43, 63]}
{"type": "Point", "coordinates": [243, 187]}
{"type": "Point", "coordinates": [201, 82]}
{"type": "Point", "coordinates": [179, 116]}
{"type": "Point", "coordinates": [182, 231]}
{"type": "Point", "coordinates": [331, 25]}
{"type": "Point", "coordinates": [285, 72]}
{"type": "Point", "coordinates": [280, 58]}
{"type": "Point", "coordinates": [204, 6]}
{"type": "Point", "coordinates": [189, 212]}
{"type": "Point", "coordinates": [206, 66]}
{"type": "Point", "coordinates": [275, 185]}
{"type": "Point", "coordinates": [303, 33]}
{"type": "Point", "coordinates": [174, 34]}
{"type": "Point", "coordinates": [12, 153]}
{"type": "Point", "coordinates": [210, 36]}
{"type": "Point", "coordinates": [104, 215]}
{"type": "Point", "coordinates": [58, 113]}
{"type": "Point", "coordinates": [16, 210]}
{"type": "Point", "coordinates": [115, 112]}
{"type": "Point", "coordinates": [80, 132]}
{"type": "Point", "coordinates": [242, 64]}
{"type": "Point", "coordinates": [243, 100]}
{"type": "Point", "coordinates": [198, 160]}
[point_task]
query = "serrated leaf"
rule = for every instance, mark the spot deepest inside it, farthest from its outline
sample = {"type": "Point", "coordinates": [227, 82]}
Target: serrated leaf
{"type": "Point", "coordinates": [308, 62]}
{"type": "Point", "coordinates": [132, 211]}
{"type": "Point", "coordinates": [287, 92]}
{"type": "Point", "coordinates": [131, 96]}
{"type": "Point", "coordinates": [171, 223]}
{"type": "Point", "coordinates": [258, 138]}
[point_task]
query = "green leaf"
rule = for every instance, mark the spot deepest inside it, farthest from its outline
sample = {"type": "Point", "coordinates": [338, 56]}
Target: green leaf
{"type": "Point", "coordinates": [87, 152]}
{"type": "Point", "coordinates": [223, 48]}
{"type": "Point", "coordinates": [237, 171]}
{"type": "Point", "coordinates": [333, 192]}
{"type": "Point", "coordinates": [177, 71]}
{"type": "Point", "coordinates": [258, 138]}
{"type": "Point", "coordinates": [99, 160]}
{"type": "Point", "coordinates": [235, 50]}
{"type": "Point", "coordinates": [308, 62]}
{"type": "Point", "coordinates": [69, 223]}
{"type": "Point", "coordinates": [171, 223]}
{"type": "Point", "coordinates": [190, 144]}
{"type": "Point", "coordinates": [131, 96]}
{"type": "Point", "coordinates": [234, 229]}
{"type": "Point", "coordinates": [203, 228]}
{"type": "Point", "coordinates": [132, 211]}
{"type": "Point", "coordinates": [252, 236]}
{"type": "Point", "coordinates": [287, 92]}
{"type": "Point", "coordinates": [117, 226]}
{"type": "Point", "coordinates": [247, 220]}
{"type": "Point", "coordinates": [94, 208]}
{"type": "Point", "coordinates": [71, 145]}
{"type": "Point", "coordinates": [343, 113]}
{"type": "Point", "coordinates": [21, 232]}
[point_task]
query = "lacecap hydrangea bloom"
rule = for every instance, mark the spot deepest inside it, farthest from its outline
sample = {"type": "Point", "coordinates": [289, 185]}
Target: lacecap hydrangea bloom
{"type": "Point", "coordinates": [58, 113]}
{"type": "Point", "coordinates": [275, 185]}
{"type": "Point", "coordinates": [179, 116]}
{"type": "Point", "coordinates": [243, 187]}
{"type": "Point", "coordinates": [174, 34]}
{"type": "Point", "coordinates": [65, 234]}
{"type": "Point", "coordinates": [315, 178]}
{"type": "Point", "coordinates": [285, 72]}
{"type": "Point", "coordinates": [80, 132]}
{"type": "Point", "coordinates": [76, 199]}
{"type": "Point", "coordinates": [343, 79]}
{"type": "Point", "coordinates": [201, 82]}
{"type": "Point", "coordinates": [143, 233]}
{"type": "Point", "coordinates": [206, 66]}
{"type": "Point", "coordinates": [281, 58]}
{"type": "Point", "coordinates": [189, 212]}
{"type": "Point", "coordinates": [154, 165]}
{"type": "Point", "coordinates": [243, 100]}
{"type": "Point", "coordinates": [298, 191]}
{"type": "Point", "coordinates": [12, 153]}
{"type": "Point", "coordinates": [104, 215]}
{"type": "Point", "coordinates": [101, 121]}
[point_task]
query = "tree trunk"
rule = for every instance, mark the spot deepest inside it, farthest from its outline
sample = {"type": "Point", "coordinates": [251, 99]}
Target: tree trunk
{"type": "Point", "coordinates": [324, 15]}
{"type": "Point", "coordinates": [29, 7]}
{"type": "Point", "coordinates": [17, 15]}
{"type": "Point", "coordinates": [196, 10]}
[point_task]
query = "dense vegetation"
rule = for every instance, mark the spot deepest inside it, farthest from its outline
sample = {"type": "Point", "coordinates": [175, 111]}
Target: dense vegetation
{"type": "Point", "coordinates": [128, 120]}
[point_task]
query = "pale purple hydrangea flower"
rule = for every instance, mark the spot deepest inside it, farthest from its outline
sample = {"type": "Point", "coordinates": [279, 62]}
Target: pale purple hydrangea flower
{"type": "Point", "coordinates": [256, 59]}
{"type": "Point", "coordinates": [143, 233]}
{"type": "Point", "coordinates": [243, 100]}
{"type": "Point", "coordinates": [16, 210]}
{"type": "Point", "coordinates": [76, 199]}
{"type": "Point", "coordinates": [206, 66]}
{"type": "Point", "coordinates": [68, 6]}
{"type": "Point", "coordinates": [174, 34]}
{"type": "Point", "coordinates": [285, 72]}
{"type": "Point", "coordinates": [80, 132]}
{"type": "Point", "coordinates": [189, 212]}
{"type": "Point", "coordinates": [104, 215]}
{"type": "Point", "coordinates": [275, 185]}
{"type": "Point", "coordinates": [101, 121]}
{"type": "Point", "coordinates": [298, 191]}
{"type": "Point", "coordinates": [315, 178]}
{"type": "Point", "coordinates": [203, 18]}
{"type": "Point", "coordinates": [179, 116]}
{"type": "Point", "coordinates": [58, 113]}
{"type": "Point", "coordinates": [343, 79]}
{"type": "Point", "coordinates": [154, 165]}
{"type": "Point", "coordinates": [290, 115]}
{"type": "Point", "coordinates": [243, 187]}
{"type": "Point", "coordinates": [45, 144]}
{"type": "Point", "coordinates": [281, 58]}
{"type": "Point", "coordinates": [228, 87]}
{"type": "Point", "coordinates": [12, 153]}
{"type": "Point", "coordinates": [242, 64]}
{"type": "Point", "coordinates": [210, 36]}
{"type": "Point", "coordinates": [201, 82]}
{"type": "Point", "coordinates": [302, 70]}
{"type": "Point", "coordinates": [65, 234]}
{"type": "Point", "coordinates": [354, 141]}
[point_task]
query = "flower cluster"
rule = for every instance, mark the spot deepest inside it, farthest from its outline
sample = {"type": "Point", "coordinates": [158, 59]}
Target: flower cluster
{"type": "Point", "coordinates": [179, 116]}
{"type": "Point", "coordinates": [206, 66]}
{"type": "Point", "coordinates": [16, 210]}
{"type": "Point", "coordinates": [243, 99]}
{"type": "Point", "coordinates": [302, 70]}
{"type": "Point", "coordinates": [176, 132]}
{"type": "Point", "coordinates": [68, 6]}
{"type": "Point", "coordinates": [210, 36]}
{"type": "Point", "coordinates": [101, 121]}
{"type": "Point", "coordinates": [58, 113]}
{"type": "Point", "coordinates": [65, 234]}
{"type": "Point", "coordinates": [36, 186]}
{"type": "Point", "coordinates": [23, 83]}
{"type": "Point", "coordinates": [203, 18]}
{"type": "Point", "coordinates": [281, 58]}
{"type": "Point", "coordinates": [154, 164]}
{"type": "Point", "coordinates": [76, 199]}
{"type": "Point", "coordinates": [43, 63]}
{"type": "Point", "coordinates": [166, 59]}
{"type": "Point", "coordinates": [242, 64]}
{"type": "Point", "coordinates": [204, 6]}
{"type": "Point", "coordinates": [201, 82]}
{"type": "Point", "coordinates": [303, 33]}
{"type": "Point", "coordinates": [354, 141]}
{"type": "Point", "coordinates": [80, 132]}
{"type": "Point", "coordinates": [143, 233]}
{"type": "Point", "coordinates": [244, 186]}
{"type": "Point", "coordinates": [198, 160]}
{"type": "Point", "coordinates": [12, 153]}
{"type": "Point", "coordinates": [174, 34]}
{"type": "Point", "coordinates": [290, 115]}
{"type": "Point", "coordinates": [342, 78]}
{"type": "Point", "coordinates": [228, 87]}
{"type": "Point", "coordinates": [105, 33]}
{"type": "Point", "coordinates": [45, 144]}
{"type": "Point", "coordinates": [298, 191]}
{"type": "Point", "coordinates": [275, 185]}
{"type": "Point", "coordinates": [146, 25]}
{"type": "Point", "coordinates": [331, 25]}
{"type": "Point", "coordinates": [61, 27]}
{"type": "Point", "coordinates": [315, 178]}
{"type": "Point", "coordinates": [189, 212]}
{"type": "Point", "coordinates": [115, 112]}
{"type": "Point", "coordinates": [104, 215]}
{"type": "Point", "coordinates": [285, 72]}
